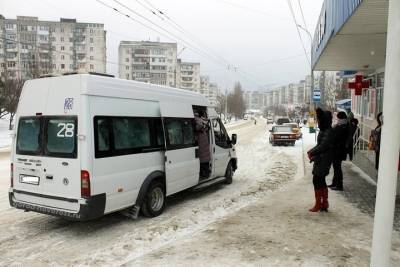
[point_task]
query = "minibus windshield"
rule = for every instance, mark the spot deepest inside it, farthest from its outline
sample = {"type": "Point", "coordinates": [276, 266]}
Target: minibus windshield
{"type": "Point", "coordinates": [47, 136]}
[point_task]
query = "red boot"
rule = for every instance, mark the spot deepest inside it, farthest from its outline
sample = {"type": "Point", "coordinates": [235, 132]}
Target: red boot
{"type": "Point", "coordinates": [325, 203]}
{"type": "Point", "coordinates": [318, 198]}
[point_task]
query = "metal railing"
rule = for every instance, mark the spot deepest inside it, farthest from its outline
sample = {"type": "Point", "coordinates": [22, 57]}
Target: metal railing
{"type": "Point", "coordinates": [361, 141]}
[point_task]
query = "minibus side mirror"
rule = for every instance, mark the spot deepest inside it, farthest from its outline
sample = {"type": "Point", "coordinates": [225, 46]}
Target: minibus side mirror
{"type": "Point", "coordinates": [234, 139]}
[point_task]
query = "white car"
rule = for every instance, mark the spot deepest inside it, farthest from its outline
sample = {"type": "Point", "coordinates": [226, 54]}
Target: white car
{"type": "Point", "coordinates": [87, 145]}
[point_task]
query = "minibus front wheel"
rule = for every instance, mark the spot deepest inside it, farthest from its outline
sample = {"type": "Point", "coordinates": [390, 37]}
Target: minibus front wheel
{"type": "Point", "coordinates": [154, 201]}
{"type": "Point", "coordinates": [229, 173]}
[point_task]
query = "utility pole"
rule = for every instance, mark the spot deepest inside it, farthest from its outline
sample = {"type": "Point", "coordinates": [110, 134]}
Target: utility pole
{"type": "Point", "coordinates": [311, 67]}
{"type": "Point", "coordinates": [390, 145]}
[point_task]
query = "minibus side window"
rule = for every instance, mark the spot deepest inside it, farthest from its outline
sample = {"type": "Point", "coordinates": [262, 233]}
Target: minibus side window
{"type": "Point", "coordinates": [116, 136]}
{"type": "Point", "coordinates": [103, 135]}
{"type": "Point", "coordinates": [28, 138]}
{"type": "Point", "coordinates": [220, 135]}
{"type": "Point", "coordinates": [131, 133]}
{"type": "Point", "coordinates": [180, 133]}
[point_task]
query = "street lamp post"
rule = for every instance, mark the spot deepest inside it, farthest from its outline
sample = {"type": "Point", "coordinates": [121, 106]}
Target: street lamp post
{"type": "Point", "coordinates": [311, 68]}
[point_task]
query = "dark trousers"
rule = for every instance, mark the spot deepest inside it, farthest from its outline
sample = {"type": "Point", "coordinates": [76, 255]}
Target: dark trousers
{"type": "Point", "coordinates": [205, 169]}
{"type": "Point", "coordinates": [377, 159]}
{"type": "Point", "coordinates": [337, 173]}
{"type": "Point", "coordinates": [319, 182]}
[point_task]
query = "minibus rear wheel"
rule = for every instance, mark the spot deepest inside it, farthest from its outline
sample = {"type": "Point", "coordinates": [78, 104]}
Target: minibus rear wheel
{"type": "Point", "coordinates": [154, 201]}
{"type": "Point", "coordinates": [229, 173]}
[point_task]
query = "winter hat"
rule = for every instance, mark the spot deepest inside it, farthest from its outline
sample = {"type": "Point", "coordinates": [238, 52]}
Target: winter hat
{"type": "Point", "coordinates": [341, 115]}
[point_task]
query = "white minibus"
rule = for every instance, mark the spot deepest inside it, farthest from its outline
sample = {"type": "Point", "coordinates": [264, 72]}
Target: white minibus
{"type": "Point", "coordinates": [85, 145]}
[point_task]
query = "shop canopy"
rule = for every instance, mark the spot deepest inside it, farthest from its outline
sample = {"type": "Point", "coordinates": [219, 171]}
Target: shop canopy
{"type": "Point", "coordinates": [351, 35]}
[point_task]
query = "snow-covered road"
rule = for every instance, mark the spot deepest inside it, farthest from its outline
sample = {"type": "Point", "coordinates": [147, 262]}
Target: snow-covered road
{"type": "Point", "coordinates": [35, 239]}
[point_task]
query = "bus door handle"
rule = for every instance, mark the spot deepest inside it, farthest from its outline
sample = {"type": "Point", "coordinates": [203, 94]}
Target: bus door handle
{"type": "Point", "coordinates": [196, 153]}
{"type": "Point", "coordinates": [48, 176]}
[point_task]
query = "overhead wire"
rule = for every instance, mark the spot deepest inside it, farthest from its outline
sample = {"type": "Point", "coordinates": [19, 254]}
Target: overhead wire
{"type": "Point", "coordinates": [156, 13]}
{"type": "Point", "coordinates": [165, 32]}
{"type": "Point", "coordinates": [302, 15]}
{"type": "Point", "coordinates": [297, 29]}
{"type": "Point", "coordinates": [190, 46]}
{"type": "Point", "coordinates": [230, 66]}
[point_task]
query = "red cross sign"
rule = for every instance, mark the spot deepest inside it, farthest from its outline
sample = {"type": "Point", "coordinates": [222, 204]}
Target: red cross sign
{"type": "Point", "coordinates": [359, 84]}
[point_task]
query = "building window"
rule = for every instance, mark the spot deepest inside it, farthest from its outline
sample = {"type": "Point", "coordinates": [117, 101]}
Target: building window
{"type": "Point", "coordinates": [127, 59]}
{"type": "Point", "coordinates": [91, 57]}
{"type": "Point", "coordinates": [127, 67]}
{"type": "Point", "coordinates": [91, 66]}
{"type": "Point", "coordinates": [62, 57]}
{"type": "Point", "coordinates": [62, 48]}
{"type": "Point", "coordinates": [62, 66]}
{"type": "Point", "coordinates": [91, 49]}
{"type": "Point", "coordinates": [91, 40]}
{"type": "Point", "coordinates": [62, 30]}
{"type": "Point", "coordinates": [62, 39]}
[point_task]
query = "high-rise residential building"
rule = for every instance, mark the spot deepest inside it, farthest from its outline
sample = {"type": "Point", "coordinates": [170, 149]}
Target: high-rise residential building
{"type": "Point", "coordinates": [209, 90]}
{"type": "Point", "coordinates": [151, 62]}
{"type": "Point", "coordinates": [204, 85]}
{"type": "Point", "coordinates": [301, 93]}
{"type": "Point", "coordinates": [307, 90]}
{"type": "Point", "coordinates": [30, 47]}
{"type": "Point", "coordinates": [212, 94]}
{"type": "Point", "coordinates": [254, 100]}
{"type": "Point", "coordinates": [188, 75]}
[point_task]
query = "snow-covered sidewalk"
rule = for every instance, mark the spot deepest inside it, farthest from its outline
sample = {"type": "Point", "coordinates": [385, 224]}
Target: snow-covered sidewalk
{"type": "Point", "coordinates": [278, 230]}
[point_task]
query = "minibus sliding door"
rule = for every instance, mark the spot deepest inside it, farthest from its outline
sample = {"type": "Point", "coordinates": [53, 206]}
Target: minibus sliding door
{"type": "Point", "coordinates": [182, 165]}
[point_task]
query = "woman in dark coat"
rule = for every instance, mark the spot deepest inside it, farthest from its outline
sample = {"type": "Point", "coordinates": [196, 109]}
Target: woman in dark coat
{"type": "Point", "coordinates": [202, 128]}
{"type": "Point", "coordinates": [322, 156]}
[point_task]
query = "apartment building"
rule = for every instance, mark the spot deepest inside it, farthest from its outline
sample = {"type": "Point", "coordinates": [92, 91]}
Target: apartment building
{"type": "Point", "coordinates": [204, 85]}
{"type": "Point", "coordinates": [188, 75]}
{"type": "Point", "coordinates": [150, 62]}
{"type": "Point", "coordinates": [212, 94]}
{"type": "Point", "coordinates": [254, 100]}
{"type": "Point", "coordinates": [30, 47]}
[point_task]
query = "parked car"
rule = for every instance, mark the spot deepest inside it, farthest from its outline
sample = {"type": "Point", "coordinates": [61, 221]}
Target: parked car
{"type": "Point", "coordinates": [270, 120]}
{"type": "Point", "coordinates": [281, 121]}
{"type": "Point", "coordinates": [282, 134]}
{"type": "Point", "coordinates": [296, 129]}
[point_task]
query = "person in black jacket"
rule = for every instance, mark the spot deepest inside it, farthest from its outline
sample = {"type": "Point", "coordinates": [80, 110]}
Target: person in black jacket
{"type": "Point", "coordinates": [321, 155]}
{"type": "Point", "coordinates": [340, 134]}
{"type": "Point", "coordinates": [353, 128]}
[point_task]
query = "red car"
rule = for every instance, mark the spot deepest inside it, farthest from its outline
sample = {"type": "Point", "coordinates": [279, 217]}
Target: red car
{"type": "Point", "coordinates": [282, 134]}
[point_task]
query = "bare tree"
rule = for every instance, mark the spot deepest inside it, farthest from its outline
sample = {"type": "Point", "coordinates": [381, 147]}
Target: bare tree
{"type": "Point", "coordinates": [3, 111]}
{"type": "Point", "coordinates": [9, 95]}
{"type": "Point", "coordinates": [236, 103]}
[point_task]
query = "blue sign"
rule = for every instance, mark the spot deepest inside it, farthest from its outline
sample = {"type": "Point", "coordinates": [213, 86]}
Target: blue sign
{"type": "Point", "coordinates": [317, 95]}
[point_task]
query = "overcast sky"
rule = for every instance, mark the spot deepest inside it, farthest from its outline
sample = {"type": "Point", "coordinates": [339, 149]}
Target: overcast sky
{"type": "Point", "coordinates": [259, 37]}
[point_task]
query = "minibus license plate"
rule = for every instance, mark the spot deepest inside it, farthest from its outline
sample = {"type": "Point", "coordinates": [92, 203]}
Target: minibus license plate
{"type": "Point", "coordinates": [29, 179]}
{"type": "Point", "coordinates": [285, 137]}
